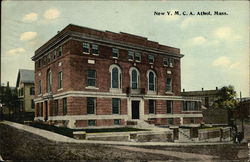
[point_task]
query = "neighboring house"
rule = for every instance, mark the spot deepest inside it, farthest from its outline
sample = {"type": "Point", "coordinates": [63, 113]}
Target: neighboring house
{"type": "Point", "coordinates": [26, 90]}
{"type": "Point", "coordinates": [207, 96]}
{"type": "Point", "coordinates": [92, 78]}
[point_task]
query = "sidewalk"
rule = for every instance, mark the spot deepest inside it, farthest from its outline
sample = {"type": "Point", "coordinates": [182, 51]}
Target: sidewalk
{"type": "Point", "coordinates": [60, 138]}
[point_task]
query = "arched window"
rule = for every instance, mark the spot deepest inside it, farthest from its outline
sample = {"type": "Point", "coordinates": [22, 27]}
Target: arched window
{"type": "Point", "coordinates": [115, 76]}
{"type": "Point", "coordinates": [134, 78]}
{"type": "Point", "coordinates": [151, 80]}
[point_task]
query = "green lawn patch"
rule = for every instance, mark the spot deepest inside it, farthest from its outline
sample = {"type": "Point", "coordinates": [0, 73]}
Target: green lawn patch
{"type": "Point", "coordinates": [69, 132]}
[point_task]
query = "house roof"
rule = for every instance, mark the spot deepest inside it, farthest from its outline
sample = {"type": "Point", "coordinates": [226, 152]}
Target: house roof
{"type": "Point", "coordinates": [25, 76]}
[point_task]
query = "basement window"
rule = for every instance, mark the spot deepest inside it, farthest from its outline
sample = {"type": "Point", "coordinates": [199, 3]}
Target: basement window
{"type": "Point", "coordinates": [117, 121]}
{"type": "Point", "coordinates": [91, 122]}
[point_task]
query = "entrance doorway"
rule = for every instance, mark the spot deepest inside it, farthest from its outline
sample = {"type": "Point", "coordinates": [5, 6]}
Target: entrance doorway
{"type": "Point", "coordinates": [135, 109]}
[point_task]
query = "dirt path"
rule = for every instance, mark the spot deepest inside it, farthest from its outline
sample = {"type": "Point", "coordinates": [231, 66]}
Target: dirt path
{"type": "Point", "coordinates": [182, 155]}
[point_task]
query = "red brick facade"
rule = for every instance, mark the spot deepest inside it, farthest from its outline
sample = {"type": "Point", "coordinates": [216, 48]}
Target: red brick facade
{"type": "Point", "coordinates": [74, 65]}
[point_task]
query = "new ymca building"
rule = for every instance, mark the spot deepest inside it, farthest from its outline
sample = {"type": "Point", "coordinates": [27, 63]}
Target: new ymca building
{"type": "Point", "coordinates": [90, 78]}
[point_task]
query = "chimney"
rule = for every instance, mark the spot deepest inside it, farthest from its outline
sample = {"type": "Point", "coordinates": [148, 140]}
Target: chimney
{"type": "Point", "coordinates": [202, 89]}
{"type": "Point", "coordinates": [216, 88]}
{"type": "Point", "coordinates": [183, 90]}
{"type": "Point", "coordinates": [8, 84]}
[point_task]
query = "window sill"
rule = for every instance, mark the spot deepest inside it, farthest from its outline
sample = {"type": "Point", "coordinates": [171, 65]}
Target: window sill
{"type": "Point", "coordinates": [151, 92]}
{"type": "Point", "coordinates": [95, 54]}
{"type": "Point", "coordinates": [91, 87]}
{"type": "Point", "coordinates": [114, 57]}
{"type": "Point", "coordinates": [39, 95]}
{"type": "Point", "coordinates": [130, 60]}
{"type": "Point", "coordinates": [85, 53]}
{"type": "Point", "coordinates": [151, 63]}
{"type": "Point", "coordinates": [137, 61]}
{"type": "Point", "coordinates": [60, 89]}
{"type": "Point", "coordinates": [115, 90]}
{"type": "Point", "coordinates": [169, 93]}
{"type": "Point", "coordinates": [192, 111]}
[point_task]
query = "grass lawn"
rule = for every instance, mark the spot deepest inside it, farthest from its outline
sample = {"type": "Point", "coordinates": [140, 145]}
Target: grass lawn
{"type": "Point", "coordinates": [69, 132]}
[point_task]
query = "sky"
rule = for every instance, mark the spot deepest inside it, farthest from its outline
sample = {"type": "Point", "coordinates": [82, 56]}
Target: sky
{"type": "Point", "coordinates": [216, 47]}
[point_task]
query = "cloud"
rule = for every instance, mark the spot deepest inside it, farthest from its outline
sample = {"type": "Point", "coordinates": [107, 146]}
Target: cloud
{"type": "Point", "coordinates": [235, 66]}
{"type": "Point", "coordinates": [51, 14]}
{"type": "Point", "coordinates": [222, 61]}
{"type": "Point", "coordinates": [223, 32]}
{"type": "Point", "coordinates": [30, 17]}
{"type": "Point", "coordinates": [198, 40]}
{"type": "Point", "coordinates": [15, 51]}
{"type": "Point", "coordinates": [28, 35]}
{"type": "Point", "coordinates": [226, 62]}
{"type": "Point", "coordinates": [226, 33]}
{"type": "Point", "coordinates": [186, 22]}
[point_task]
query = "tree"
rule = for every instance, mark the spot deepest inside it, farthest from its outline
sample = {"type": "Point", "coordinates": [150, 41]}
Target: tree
{"type": "Point", "coordinates": [226, 98]}
{"type": "Point", "coordinates": [9, 98]}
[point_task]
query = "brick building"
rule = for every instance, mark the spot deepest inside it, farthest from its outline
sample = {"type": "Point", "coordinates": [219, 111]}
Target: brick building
{"type": "Point", "coordinates": [207, 96]}
{"type": "Point", "coordinates": [91, 78]}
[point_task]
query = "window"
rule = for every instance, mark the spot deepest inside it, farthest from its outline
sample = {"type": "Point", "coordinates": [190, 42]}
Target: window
{"type": "Point", "coordinates": [65, 106]}
{"type": "Point", "coordinates": [169, 62]}
{"type": "Point", "coordinates": [115, 53]}
{"type": "Point", "coordinates": [85, 47]}
{"type": "Point", "coordinates": [169, 85]}
{"type": "Point", "coordinates": [41, 109]}
{"type": "Point", "coordinates": [95, 49]}
{"type": "Point", "coordinates": [138, 57]}
{"type": "Point", "coordinates": [49, 81]}
{"type": "Point", "coordinates": [151, 59]}
{"type": "Point", "coordinates": [21, 92]}
{"type": "Point", "coordinates": [32, 90]}
{"type": "Point", "coordinates": [115, 105]}
{"type": "Point", "coordinates": [91, 78]}
{"type": "Point", "coordinates": [134, 79]}
{"type": "Point", "coordinates": [115, 78]}
{"type": "Point", "coordinates": [91, 104]}
{"type": "Point", "coordinates": [191, 105]}
{"type": "Point", "coordinates": [206, 102]}
{"type": "Point", "coordinates": [60, 80]}
{"type": "Point", "coordinates": [117, 121]}
{"type": "Point", "coordinates": [151, 105]}
{"type": "Point", "coordinates": [39, 87]}
{"type": "Point", "coordinates": [151, 81]}
{"type": "Point", "coordinates": [32, 104]}
{"type": "Point", "coordinates": [169, 107]}
{"type": "Point", "coordinates": [170, 121]}
{"type": "Point", "coordinates": [130, 55]}
{"type": "Point", "coordinates": [55, 107]}
{"type": "Point", "coordinates": [60, 51]}
{"type": "Point", "coordinates": [91, 122]}
{"type": "Point", "coordinates": [165, 62]}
